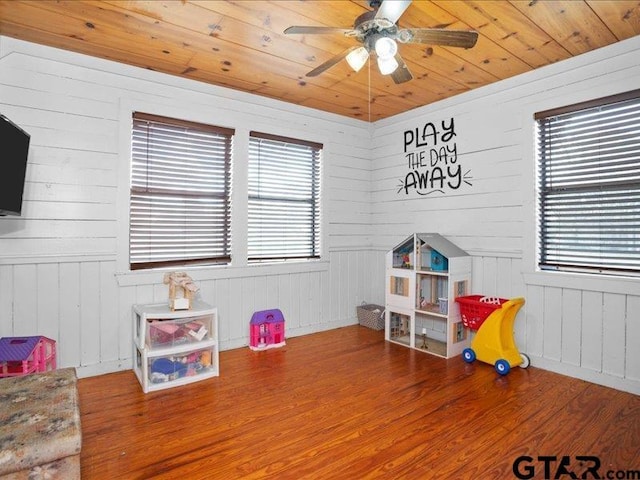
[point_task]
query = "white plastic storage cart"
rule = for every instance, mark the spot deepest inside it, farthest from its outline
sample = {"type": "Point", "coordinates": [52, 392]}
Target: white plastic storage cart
{"type": "Point", "coordinates": [173, 348]}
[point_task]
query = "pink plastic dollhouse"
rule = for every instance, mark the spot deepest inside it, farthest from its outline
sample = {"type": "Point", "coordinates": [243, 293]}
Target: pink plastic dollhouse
{"type": "Point", "coordinates": [24, 355]}
{"type": "Point", "coordinates": [266, 330]}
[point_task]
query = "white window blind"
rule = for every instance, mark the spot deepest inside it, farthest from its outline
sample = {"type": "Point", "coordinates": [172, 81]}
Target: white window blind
{"type": "Point", "coordinates": [284, 198]}
{"type": "Point", "coordinates": [180, 192]}
{"type": "Point", "coordinates": [589, 186]}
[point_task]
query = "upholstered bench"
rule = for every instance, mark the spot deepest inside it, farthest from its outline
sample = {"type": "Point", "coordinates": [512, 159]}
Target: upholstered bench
{"type": "Point", "coordinates": [40, 436]}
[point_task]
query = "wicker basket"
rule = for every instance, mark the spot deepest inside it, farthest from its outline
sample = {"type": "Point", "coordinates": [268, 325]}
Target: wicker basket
{"type": "Point", "coordinates": [371, 316]}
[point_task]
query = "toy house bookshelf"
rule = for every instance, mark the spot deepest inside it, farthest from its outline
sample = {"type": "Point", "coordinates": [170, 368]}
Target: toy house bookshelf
{"type": "Point", "coordinates": [424, 275]}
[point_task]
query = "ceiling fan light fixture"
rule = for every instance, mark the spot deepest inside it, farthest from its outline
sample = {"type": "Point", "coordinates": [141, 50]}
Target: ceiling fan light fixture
{"type": "Point", "coordinates": [378, 32]}
{"type": "Point", "coordinates": [357, 58]}
{"type": "Point", "coordinates": [386, 47]}
{"type": "Point", "coordinates": [387, 65]}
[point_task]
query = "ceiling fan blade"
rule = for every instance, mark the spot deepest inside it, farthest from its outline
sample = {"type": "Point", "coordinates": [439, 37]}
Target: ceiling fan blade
{"type": "Point", "coordinates": [439, 36]}
{"type": "Point", "coordinates": [392, 10]}
{"type": "Point", "coordinates": [317, 30]}
{"type": "Point", "coordinates": [331, 62]}
{"type": "Point", "coordinates": [402, 73]}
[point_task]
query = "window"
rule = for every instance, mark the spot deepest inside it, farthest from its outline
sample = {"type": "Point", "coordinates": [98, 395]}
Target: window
{"type": "Point", "coordinates": [284, 198]}
{"type": "Point", "coordinates": [180, 193]}
{"type": "Point", "coordinates": [589, 186]}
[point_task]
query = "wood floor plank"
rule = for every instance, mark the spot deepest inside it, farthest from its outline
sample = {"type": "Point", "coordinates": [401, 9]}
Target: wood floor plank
{"type": "Point", "coordinates": [346, 404]}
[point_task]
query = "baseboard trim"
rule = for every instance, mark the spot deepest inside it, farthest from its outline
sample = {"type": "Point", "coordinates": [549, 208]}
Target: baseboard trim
{"type": "Point", "coordinates": [599, 378]}
{"type": "Point", "coordinates": [127, 363]}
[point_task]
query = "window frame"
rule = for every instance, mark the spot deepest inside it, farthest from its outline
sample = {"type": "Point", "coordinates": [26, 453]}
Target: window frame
{"type": "Point", "coordinates": [604, 270]}
{"type": "Point", "coordinates": [225, 196]}
{"type": "Point", "coordinates": [317, 227]}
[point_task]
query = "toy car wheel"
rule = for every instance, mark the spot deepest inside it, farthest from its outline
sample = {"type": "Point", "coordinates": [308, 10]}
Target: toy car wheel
{"type": "Point", "coordinates": [468, 355]}
{"type": "Point", "coordinates": [502, 367]}
{"type": "Point", "coordinates": [526, 361]}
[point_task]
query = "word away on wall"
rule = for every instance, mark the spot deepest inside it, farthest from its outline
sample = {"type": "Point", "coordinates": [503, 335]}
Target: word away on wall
{"type": "Point", "coordinates": [432, 157]}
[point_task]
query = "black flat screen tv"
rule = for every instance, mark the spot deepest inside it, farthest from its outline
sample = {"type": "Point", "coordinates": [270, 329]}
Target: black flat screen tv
{"type": "Point", "coordinates": [14, 150]}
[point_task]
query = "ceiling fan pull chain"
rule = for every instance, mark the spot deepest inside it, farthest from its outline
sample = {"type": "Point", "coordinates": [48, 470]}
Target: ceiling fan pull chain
{"type": "Point", "coordinates": [369, 89]}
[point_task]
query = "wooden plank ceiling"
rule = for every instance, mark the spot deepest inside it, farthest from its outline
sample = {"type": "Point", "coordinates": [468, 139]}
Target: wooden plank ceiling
{"type": "Point", "coordinates": [241, 45]}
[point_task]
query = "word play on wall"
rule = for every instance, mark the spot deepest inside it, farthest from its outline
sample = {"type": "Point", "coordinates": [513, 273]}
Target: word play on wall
{"type": "Point", "coordinates": [432, 159]}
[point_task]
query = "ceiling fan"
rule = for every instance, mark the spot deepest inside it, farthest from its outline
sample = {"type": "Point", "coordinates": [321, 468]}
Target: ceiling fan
{"type": "Point", "coordinates": [378, 32]}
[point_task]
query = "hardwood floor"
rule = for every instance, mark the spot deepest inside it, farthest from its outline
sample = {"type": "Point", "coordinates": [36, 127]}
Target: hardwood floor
{"type": "Point", "coordinates": [346, 404]}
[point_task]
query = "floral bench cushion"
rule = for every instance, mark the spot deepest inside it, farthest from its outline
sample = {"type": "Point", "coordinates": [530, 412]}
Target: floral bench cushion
{"type": "Point", "coordinates": [39, 423]}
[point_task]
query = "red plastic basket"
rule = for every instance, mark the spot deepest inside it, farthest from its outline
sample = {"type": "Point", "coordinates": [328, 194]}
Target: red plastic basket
{"type": "Point", "coordinates": [475, 309]}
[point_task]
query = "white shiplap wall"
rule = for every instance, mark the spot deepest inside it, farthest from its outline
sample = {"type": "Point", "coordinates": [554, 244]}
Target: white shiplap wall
{"type": "Point", "coordinates": [63, 262]}
{"type": "Point", "coordinates": [583, 326]}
